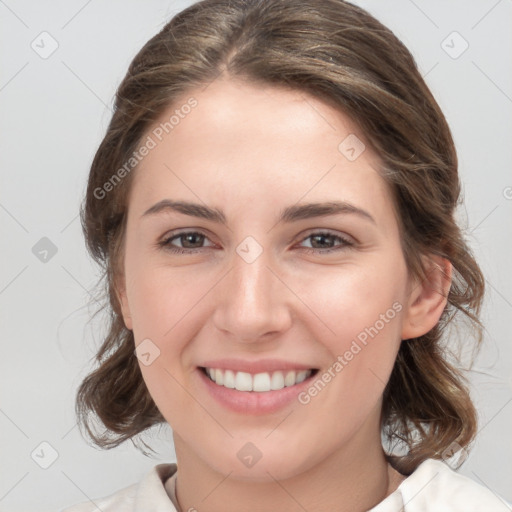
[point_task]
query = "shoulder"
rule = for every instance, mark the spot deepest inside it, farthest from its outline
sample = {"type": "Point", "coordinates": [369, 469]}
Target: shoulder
{"type": "Point", "coordinates": [435, 486]}
{"type": "Point", "coordinates": [138, 497]}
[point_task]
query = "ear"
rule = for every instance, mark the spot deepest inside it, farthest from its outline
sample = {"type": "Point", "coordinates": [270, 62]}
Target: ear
{"type": "Point", "coordinates": [427, 298]}
{"type": "Point", "coordinates": [120, 290]}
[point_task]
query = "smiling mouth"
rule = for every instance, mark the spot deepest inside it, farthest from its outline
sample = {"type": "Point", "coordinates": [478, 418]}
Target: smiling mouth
{"type": "Point", "coordinates": [259, 382]}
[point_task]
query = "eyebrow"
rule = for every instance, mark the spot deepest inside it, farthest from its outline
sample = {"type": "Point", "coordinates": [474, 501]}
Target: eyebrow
{"type": "Point", "coordinates": [290, 214]}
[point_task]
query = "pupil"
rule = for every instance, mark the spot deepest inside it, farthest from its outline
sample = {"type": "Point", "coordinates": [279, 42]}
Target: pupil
{"type": "Point", "coordinates": [322, 237]}
{"type": "Point", "coordinates": [191, 237]}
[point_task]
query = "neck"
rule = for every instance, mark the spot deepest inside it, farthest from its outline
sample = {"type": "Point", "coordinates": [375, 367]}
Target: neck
{"type": "Point", "coordinates": [343, 482]}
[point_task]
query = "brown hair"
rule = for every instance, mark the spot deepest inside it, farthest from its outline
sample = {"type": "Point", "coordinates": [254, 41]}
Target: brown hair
{"type": "Point", "coordinates": [342, 55]}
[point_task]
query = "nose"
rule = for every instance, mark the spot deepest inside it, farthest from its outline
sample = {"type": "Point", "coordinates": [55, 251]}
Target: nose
{"type": "Point", "coordinates": [252, 303]}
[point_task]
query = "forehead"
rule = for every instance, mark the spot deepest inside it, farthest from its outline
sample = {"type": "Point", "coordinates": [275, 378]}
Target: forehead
{"type": "Point", "coordinates": [244, 142]}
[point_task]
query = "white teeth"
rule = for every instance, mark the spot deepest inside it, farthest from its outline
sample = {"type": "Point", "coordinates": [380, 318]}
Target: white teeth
{"type": "Point", "coordinates": [277, 381]}
{"type": "Point", "coordinates": [243, 381]}
{"type": "Point", "coordinates": [260, 382]}
{"type": "Point", "coordinates": [301, 376]}
{"type": "Point", "coordinates": [229, 379]}
{"type": "Point", "coordinates": [219, 377]}
{"type": "Point", "coordinates": [289, 380]}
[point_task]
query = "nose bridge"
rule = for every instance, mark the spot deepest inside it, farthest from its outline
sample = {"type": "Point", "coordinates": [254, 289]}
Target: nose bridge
{"type": "Point", "coordinates": [253, 301]}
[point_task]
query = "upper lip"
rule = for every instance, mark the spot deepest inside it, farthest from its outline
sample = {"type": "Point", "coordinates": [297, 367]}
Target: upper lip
{"type": "Point", "coordinates": [259, 366]}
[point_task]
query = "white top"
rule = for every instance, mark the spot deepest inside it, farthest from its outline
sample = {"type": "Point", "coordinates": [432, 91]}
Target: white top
{"type": "Point", "coordinates": [433, 487]}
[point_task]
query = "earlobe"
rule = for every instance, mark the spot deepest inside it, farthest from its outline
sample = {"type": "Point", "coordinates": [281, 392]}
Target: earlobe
{"type": "Point", "coordinates": [428, 298]}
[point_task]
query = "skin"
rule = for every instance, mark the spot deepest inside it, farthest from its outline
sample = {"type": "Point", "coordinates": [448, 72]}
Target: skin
{"type": "Point", "coordinates": [252, 151]}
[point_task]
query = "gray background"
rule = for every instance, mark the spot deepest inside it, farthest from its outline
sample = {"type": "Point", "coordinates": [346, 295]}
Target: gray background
{"type": "Point", "coordinates": [54, 113]}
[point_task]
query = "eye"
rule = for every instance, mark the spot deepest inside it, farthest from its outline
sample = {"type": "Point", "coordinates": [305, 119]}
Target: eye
{"type": "Point", "coordinates": [323, 242]}
{"type": "Point", "coordinates": [191, 241]}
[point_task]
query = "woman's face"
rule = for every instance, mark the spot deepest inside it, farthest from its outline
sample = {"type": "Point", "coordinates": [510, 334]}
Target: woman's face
{"type": "Point", "coordinates": [258, 276]}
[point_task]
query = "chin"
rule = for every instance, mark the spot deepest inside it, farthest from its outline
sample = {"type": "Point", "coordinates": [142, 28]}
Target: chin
{"type": "Point", "coordinates": [273, 463]}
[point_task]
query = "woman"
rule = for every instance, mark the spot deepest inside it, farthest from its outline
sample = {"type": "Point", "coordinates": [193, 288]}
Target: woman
{"type": "Point", "coordinates": [273, 206]}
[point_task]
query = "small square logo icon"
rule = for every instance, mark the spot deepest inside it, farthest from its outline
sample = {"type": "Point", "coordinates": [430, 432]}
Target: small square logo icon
{"type": "Point", "coordinates": [44, 45]}
{"type": "Point", "coordinates": [351, 147]}
{"type": "Point", "coordinates": [454, 455]}
{"type": "Point", "coordinates": [249, 249]}
{"type": "Point", "coordinates": [147, 352]}
{"type": "Point", "coordinates": [454, 45]}
{"type": "Point", "coordinates": [44, 455]}
{"type": "Point", "coordinates": [44, 250]}
{"type": "Point", "coordinates": [249, 455]}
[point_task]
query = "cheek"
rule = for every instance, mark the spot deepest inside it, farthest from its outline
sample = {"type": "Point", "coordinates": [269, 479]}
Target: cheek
{"type": "Point", "coordinates": [162, 302]}
{"type": "Point", "coordinates": [361, 307]}
{"type": "Point", "coordinates": [159, 299]}
{"type": "Point", "coordinates": [349, 301]}
{"type": "Point", "coordinates": [166, 307]}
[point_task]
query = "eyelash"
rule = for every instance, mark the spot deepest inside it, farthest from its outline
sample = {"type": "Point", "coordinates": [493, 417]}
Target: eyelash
{"type": "Point", "coordinates": [166, 243]}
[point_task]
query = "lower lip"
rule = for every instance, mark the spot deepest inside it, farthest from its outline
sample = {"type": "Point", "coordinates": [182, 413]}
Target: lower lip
{"type": "Point", "coordinates": [254, 402]}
